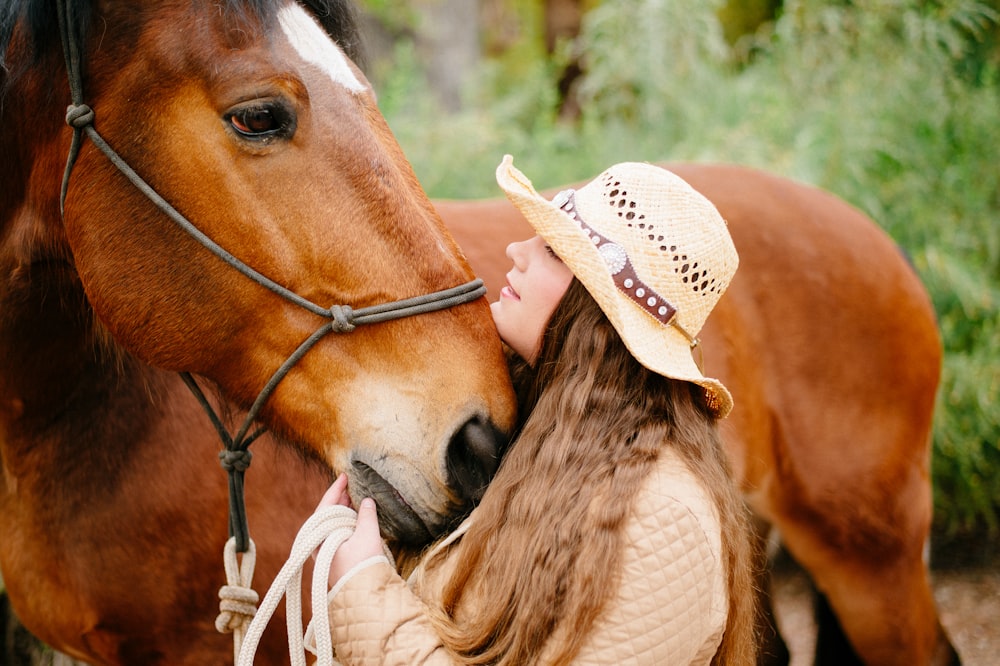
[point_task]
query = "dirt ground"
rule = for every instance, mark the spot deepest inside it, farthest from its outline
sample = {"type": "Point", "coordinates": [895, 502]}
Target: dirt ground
{"type": "Point", "coordinates": [968, 599]}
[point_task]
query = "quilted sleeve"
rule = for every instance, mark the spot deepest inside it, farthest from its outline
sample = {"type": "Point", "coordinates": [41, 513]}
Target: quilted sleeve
{"type": "Point", "coordinates": [671, 606]}
{"type": "Point", "coordinates": [376, 620]}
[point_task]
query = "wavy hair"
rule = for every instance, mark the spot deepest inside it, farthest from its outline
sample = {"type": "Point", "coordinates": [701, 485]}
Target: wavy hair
{"type": "Point", "coordinates": [546, 545]}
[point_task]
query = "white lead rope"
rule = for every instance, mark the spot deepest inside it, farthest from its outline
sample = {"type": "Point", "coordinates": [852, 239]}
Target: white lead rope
{"type": "Point", "coordinates": [326, 529]}
{"type": "Point", "coordinates": [237, 599]}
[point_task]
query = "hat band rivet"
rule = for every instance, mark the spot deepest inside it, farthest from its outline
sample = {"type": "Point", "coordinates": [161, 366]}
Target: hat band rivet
{"type": "Point", "coordinates": [619, 265]}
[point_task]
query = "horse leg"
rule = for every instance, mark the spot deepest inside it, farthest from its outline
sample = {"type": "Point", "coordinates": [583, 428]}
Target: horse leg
{"type": "Point", "coordinates": [772, 650]}
{"type": "Point", "coordinates": [888, 613]}
{"type": "Point", "coordinates": [884, 602]}
{"type": "Point", "coordinates": [832, 646]}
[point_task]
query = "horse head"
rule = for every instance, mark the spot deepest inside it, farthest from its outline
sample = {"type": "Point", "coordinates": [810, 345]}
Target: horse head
{"type": "Point", "coordinates": [253, 122]}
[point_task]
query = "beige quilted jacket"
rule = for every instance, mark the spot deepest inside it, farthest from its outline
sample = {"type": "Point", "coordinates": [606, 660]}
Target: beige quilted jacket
{"type": "Point", "coordinates": [671, 607]}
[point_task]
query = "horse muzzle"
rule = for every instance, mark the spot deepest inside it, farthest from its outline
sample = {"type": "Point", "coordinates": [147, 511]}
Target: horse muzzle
{"type": "Point", "coordinates": [471, 459]}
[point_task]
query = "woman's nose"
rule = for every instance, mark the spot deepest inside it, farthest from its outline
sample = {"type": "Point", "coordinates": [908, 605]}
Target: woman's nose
{"type": "Point", "coordinates": [515, 251]}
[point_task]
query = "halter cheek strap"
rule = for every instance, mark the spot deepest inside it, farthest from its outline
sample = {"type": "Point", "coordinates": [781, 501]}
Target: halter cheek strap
{"type": "Point", "coordinates": [235, 457]}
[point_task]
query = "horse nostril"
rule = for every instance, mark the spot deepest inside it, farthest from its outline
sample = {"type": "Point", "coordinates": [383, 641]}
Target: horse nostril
{"type": "Point", "coordinates": [473, 457]}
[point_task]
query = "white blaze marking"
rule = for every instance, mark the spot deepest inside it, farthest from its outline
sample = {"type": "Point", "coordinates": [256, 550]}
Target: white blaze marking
{"type": "Point", "coordinates": [316, 47]}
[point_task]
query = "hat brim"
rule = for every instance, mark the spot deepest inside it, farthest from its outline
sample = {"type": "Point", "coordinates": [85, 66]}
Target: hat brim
{"type": "Point", "coordinates": [659, 347]}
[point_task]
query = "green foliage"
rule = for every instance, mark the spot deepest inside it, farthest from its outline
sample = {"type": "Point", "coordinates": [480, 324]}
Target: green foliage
{"type": "Point", "coordinates": [395, 15]}
{"type": "Point", "coordinates": [894, 105]}
{"type": "Point", "coordinates": [674, 53]}
{"type": "Point", "coordinates": [967, 419]}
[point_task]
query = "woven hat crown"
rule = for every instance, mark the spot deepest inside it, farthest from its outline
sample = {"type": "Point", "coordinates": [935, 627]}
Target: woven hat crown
{"type": "Point", "coordinates": [674, 237]}
{"type": "Point", "coordinates": [654, 253]}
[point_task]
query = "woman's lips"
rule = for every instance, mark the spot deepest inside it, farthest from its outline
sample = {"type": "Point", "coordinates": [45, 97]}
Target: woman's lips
{"type": "Point", "coordinates": [509, 292]}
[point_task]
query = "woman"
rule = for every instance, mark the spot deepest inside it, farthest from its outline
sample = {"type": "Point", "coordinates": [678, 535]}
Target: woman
{"type": "Point", "coordinates": [612, 532]}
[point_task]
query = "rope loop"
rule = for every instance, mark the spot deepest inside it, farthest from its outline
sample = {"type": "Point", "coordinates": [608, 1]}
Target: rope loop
{"type": "Point", "coordinates": [343, 318]}
{"type": "Point", "coordinates": [79, 116]}
{"type": "Point", "coordinates": [235, 460]}
{"type": "Point", "coordinates": [237, 600]}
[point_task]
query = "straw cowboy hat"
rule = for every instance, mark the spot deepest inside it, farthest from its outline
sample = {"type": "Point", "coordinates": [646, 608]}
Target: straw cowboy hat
{"type": "Point", "coordinates": [655, 254]}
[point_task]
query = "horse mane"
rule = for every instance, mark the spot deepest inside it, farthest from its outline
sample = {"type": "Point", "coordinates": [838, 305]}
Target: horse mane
{"type": "Point", "coordinates": [338, 18]}
{"type": "Point", "coordinates": [31, 29]}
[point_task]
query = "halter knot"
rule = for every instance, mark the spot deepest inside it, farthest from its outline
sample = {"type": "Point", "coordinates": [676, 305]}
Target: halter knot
{"type": "Point", "coordinates": [237, 606]}
{"type": "Point", "coordinates": [235, 460]}
{"type": "Point", "coordinates": [343, 317]}
{"type": "Point", "coordinates": [79, 116]}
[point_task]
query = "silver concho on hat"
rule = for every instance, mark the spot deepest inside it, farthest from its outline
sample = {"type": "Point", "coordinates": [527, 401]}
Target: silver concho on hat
{"type": "Point", "coordinates": [621, 270]}
{"type": "Point", "coordinates": [614, 256]}
{"type": "Point", "coordinates": [563, 198]}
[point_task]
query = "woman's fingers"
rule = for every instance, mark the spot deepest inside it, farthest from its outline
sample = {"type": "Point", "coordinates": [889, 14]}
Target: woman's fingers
{"type": "Point", "coordinates": [364, 543]}
{"type": "Point", "coordinates": [367, 528]}
{"type": "Point", "coordinates": [336, 494]}
{"type": "Point", "coordinates": [366, 540]}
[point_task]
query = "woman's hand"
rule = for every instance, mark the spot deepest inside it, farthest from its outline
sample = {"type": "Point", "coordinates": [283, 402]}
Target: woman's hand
{"type": "Point", "coordinates": [365, 542]}
{"type": "Point", "coordinates": [336, 494]}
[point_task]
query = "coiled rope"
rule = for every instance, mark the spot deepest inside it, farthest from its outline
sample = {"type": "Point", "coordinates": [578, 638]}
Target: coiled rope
{"type": "Point", "coordinates": [326, 530]}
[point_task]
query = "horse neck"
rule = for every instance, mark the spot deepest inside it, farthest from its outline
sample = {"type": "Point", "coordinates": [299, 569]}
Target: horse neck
{"type": "Point", "coordinates": [71, 401]}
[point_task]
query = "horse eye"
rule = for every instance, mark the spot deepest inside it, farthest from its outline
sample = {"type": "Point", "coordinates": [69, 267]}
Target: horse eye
{"type": "Point", "coordinates": [260, 121]}
{"type": "Point", "coordinates": [254, 121]}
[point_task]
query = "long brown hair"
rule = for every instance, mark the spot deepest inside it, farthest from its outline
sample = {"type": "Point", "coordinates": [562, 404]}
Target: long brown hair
{"type": "Point", "coordinates": [542, 555]}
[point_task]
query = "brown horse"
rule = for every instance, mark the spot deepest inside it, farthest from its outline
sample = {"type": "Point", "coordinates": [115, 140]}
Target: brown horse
{"type": "Point", "coordinates": [829, 344]}
{"type": "Point", "coordinates": [250, 120]}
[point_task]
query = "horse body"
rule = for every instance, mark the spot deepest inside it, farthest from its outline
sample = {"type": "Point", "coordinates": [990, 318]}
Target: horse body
{"type": "Point", "coordinates": [828, 342]}
{"type": "Point", "coordinates": [113, 529]}
{"type": "Point", "coordinates": [253, 124]}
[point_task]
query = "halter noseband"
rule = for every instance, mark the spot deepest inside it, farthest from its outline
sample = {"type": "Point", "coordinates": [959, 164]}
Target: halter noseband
{"type": "Point", "coordinates": [235, 458]}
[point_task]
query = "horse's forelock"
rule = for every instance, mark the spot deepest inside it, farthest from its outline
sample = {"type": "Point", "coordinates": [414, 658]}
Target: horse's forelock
{"type": "Point", "coordinates": [337, 17]}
